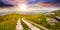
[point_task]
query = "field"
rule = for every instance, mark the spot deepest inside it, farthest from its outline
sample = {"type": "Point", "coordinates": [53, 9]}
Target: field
{"type": "Point", "coordinates": [8, 22]}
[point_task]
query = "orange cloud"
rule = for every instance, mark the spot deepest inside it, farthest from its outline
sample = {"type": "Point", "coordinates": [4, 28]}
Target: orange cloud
{"type": "Point", "coordinates": [45, 4]}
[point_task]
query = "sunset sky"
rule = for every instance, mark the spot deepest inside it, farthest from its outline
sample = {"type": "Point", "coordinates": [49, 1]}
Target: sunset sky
{"type": "Point", "coordinates": [34, 6]}
{"type": "Point", "coordinates": [39, 2]}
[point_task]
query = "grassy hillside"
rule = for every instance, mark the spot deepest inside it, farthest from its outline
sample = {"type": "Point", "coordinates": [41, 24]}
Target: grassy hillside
{"type": "Point", "coordinates": [58, 13]}
{"type": "Point", "coordinates": [8, 22]}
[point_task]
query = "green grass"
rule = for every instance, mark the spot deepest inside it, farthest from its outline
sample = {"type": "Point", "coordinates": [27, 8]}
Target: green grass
{"type": "Point", "coordinates": [51, 16]}
{"type": "Point", "coordinates": [8, 25]}
{"type": "Point", "coordinates": [8, 22]}
{"type": "Point", "coordinates": [40, 19]}
{"type": "Point", "coordinates": [25, 27]}
{"type": "Point", "coordinates": [57, 13]}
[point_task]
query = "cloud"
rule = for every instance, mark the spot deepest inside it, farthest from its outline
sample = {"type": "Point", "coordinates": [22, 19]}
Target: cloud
{"type": "Point", "coordinates": [45, 4]}
{"type": "Point", "coordinates": [49, 4]}
{"type": "Point", "coordinates": [9, 2]}
{"type": "Point", "coordinates": [55, 3]}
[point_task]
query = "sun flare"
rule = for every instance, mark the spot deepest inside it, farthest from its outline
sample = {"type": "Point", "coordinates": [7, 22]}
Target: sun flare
{"type": "Point", "coordinates": [23, 7]}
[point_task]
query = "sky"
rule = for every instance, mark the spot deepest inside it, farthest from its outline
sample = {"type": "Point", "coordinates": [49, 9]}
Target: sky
{"type": "Point", "coordinates": [39, 2]}
{"type": "Point", "coordinates": [34, 6]}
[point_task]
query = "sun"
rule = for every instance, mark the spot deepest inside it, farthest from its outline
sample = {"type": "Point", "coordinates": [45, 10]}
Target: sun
{"type": "Point", "coordinates": [23, 7]}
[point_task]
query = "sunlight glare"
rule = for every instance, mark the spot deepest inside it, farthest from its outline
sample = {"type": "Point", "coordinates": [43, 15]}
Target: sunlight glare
{"type": "Point", "coordinates": [23, 7]}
